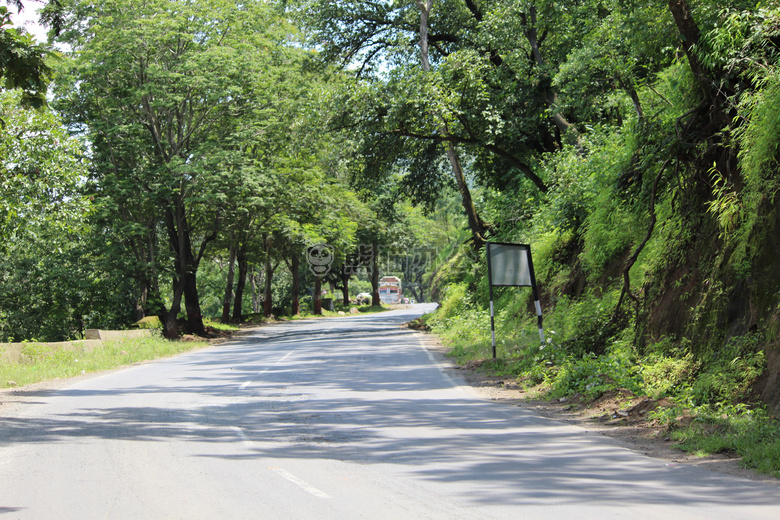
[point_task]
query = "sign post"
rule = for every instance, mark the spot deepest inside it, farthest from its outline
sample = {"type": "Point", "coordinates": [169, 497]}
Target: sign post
{"type": "Point", "coordinates": [510, 265]}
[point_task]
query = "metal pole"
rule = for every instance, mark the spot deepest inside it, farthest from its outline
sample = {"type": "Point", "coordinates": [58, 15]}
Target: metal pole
{"type": "Point", "coordinates": [490, 290]}
{"type": "Point", "coordinates": [538, 305]}
{"type": "Point", "coordinates": [492, 324]}
{"type": "Point", "coordinates": [539, 319]}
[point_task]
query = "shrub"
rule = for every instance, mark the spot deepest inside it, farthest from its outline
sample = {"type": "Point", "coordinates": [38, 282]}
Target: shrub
{"type": "Point", "coordinates": [593, 375]}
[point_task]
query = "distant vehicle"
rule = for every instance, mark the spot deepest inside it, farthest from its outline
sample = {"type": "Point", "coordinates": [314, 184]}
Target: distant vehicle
{"type": "Point", "coordinates": [390, 289]}
{"type": "Point", "coordinates": [363, 298]}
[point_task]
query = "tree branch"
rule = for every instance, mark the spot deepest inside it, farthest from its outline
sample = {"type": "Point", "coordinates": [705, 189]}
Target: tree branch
{"type": "Point", "coordinates": [632, 260]}
{"type": "Point", "coordinates": [504, 154]}
{"type": "Point", "coordinates": [475, 10]}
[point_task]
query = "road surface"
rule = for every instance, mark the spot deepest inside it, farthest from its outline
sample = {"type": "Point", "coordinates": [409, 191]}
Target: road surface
{"type": "Point", "coordinates": [338, 418]}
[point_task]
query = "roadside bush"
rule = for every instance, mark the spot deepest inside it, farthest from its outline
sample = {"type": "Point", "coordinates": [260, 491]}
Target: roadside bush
{"type": "Point", "coordinates": [586, 324]}
{"type": "Point", "coordinates": [728, 381]}
{"type": "Point", "coordinates": [665, 375]}
{"type": "Point", "coordinates": [455, 301]}
{"type": "Point", "coordinates": [749, 433]}
{"type": "Point", "coordinates": [729, 372]}
{"type": "Point", "coordinates": [591, 375]}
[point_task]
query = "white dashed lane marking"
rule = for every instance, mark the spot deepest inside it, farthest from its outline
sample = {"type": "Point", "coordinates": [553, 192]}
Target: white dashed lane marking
{"type": "Point", "coordinates": [301, 483]}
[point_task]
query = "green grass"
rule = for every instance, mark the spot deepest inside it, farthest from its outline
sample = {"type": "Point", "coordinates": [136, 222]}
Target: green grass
{"type": "Point", "coordinates": [45, 364]}
{"type": "Point", "coordinates": [750, 434]}
{"type": "Point", "coordinates": [218, 325]}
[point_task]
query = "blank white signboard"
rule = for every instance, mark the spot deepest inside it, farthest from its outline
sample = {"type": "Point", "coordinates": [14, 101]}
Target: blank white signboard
{"type": "Point", "coordinates": [509, 265]}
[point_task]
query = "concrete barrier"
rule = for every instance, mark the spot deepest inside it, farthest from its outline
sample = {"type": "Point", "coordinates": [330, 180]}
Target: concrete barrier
{"type": "Point", "coordinates": [117, 335]}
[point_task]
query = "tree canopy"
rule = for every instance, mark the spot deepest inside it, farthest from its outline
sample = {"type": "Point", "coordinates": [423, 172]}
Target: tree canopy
{"type": "Point", "coordinates": [24, 64]}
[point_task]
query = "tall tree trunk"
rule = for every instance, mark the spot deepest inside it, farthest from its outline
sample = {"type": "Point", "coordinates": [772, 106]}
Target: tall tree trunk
{"type": "Point", "coordinates": [226, 301]}
{"type": "Point", "coordinates": [375, 300]}
{"type": "Point", "coordinates": [269, 274]}
{"type": "Point", "coordinates": [690, 36]}
{"type": "Point", "coordinates": [192, 305]}
{"type": "Point", "coordinates": [243, 269]}
{"type": "Point", "coordinates": [170, 317]}
{"type": "Point", "coordinates": [425, 11]}
{"type": "Point", "coordinates": [268, 290]}
{"type": "Point", "coordinates": [317, 296]}
{"type": "Point", "coordinates": [170, 325]}
{"type": "Point", "coordinates": [256, 300]}
{"type": "Point", "coordinates": [476, 225]}
{"type": "Point", "coordinates": [294, 266]}
{"type": "Point", "coordinates": [186, 266]}
{"type": "Point", "coordinates": [345, 276]}
{"type": "Point", "coordinates": [628, 86]}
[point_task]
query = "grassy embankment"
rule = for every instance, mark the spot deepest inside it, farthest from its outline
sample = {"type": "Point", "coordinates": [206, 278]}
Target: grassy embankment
{"type": "Point", "coordinates": [43, 364]}
{"type": "Point", "coordinates": [653, 278]}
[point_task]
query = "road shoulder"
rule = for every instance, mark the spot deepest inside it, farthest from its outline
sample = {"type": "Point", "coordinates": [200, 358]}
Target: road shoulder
{"type": "Point", "coordinates": [600, 417]}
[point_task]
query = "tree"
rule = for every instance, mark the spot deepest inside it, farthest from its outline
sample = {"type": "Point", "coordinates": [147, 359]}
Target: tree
{"type": "Point", "coordinates": [471, 73]}
{"type": "Point", "coordinates": [155, 84]}
{"type": "Point", "coordinates": [292, 258]}
{"type": "Point", "coordinates": [23, 63]}
{"type": "Point", "coordinates": [621, 51]}
{"type": "Point", "coordinates": [464, 103]}
{"type": "Point", "coordinates": [476, 224]}
{"type": "Point", "coordinates": [51, 284]}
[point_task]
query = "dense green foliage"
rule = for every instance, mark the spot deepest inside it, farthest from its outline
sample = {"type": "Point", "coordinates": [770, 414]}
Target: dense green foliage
{"type": "Point", "coordinates": [51, 284]}
{"type": "Point", "coordinates": [23, 63]}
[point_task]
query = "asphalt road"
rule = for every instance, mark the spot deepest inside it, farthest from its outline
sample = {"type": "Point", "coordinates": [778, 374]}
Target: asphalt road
{"type": "Point", "coordinates": [329, 419]}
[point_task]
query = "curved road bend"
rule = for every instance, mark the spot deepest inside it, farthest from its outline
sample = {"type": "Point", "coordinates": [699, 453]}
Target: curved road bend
{"type": "Point", "coordinates": [329, 419]}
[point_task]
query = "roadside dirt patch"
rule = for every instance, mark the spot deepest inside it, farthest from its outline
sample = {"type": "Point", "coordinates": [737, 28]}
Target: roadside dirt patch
{"type": "Point", "coordinates": [619, 415]}
{"type": "Point", "coordinates": [418, 324]}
